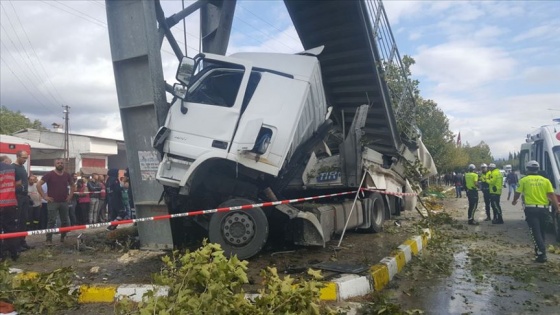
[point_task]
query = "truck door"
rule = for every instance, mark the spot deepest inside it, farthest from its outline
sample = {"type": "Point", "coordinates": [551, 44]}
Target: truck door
{"type": "Point", "coordinates": [208, 119]}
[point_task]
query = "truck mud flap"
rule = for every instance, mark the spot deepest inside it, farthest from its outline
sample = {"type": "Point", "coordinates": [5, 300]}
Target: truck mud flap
{"type": "Point", "coordinates": [309, 230]}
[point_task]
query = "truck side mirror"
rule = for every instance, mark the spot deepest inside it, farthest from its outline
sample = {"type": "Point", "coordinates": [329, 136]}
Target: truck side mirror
{"type": "Point", "coordinates": [185, 70]}
{"type": "Point", "coordinates": [179, 90]}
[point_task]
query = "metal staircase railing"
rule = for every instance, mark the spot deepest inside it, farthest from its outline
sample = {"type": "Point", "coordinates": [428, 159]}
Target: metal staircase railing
{"type": "Point", "coordinates": [402, 95]}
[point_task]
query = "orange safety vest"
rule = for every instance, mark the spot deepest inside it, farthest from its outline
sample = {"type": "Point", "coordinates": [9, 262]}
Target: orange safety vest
{"type": "Point", "coordinates": [7, 186]}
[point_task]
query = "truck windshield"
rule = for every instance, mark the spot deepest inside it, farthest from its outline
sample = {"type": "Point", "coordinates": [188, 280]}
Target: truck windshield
{"type": "Point", "coordinates": [217, 83]}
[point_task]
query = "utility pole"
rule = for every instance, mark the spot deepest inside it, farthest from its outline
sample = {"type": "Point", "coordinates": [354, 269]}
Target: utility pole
{"type": "Point", "coordinates": [66, 147]}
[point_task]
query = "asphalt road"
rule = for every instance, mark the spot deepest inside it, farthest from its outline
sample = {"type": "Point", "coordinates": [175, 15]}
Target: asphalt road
{"type": "Point", "coordinates": [492, 272]}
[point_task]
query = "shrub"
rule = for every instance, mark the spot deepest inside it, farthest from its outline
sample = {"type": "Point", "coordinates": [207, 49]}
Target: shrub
{"type": "Point", "coordinates": [207, 282]}
{"type": "Point", "coordinates": [38, 293]}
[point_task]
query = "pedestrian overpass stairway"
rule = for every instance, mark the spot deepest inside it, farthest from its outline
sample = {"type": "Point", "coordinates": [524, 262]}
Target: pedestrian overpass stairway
{"type": "Point", "coordinates": [352, 62]}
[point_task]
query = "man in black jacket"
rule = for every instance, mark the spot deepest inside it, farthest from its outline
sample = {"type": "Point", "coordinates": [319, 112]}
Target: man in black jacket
{"type": "Point", "coordinates": [114, 195]}
{"type": "Point", "coordinates": [511, 179]}
{"type": "Point", "coordinates": [95, 191]}
{"type": "Point", "coordinates": [24, 203]}
{"type": "Point", "coordinates": [485, 187]}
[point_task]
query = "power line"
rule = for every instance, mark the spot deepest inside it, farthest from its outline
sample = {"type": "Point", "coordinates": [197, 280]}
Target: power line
{"type": "Point", "coordinates": [24, 73]}
{"type": "Point", "coordinates": [82, 13]}
{"type": "Point", "coordinates": [37, 56]}
{"type": "Point", "coordinates": [265, 21]}
{"type": "Point", "coordinates": [262, 32]}
{"type": "Point", "coordinates": [93, 20]}
{"type": "Point", "coordinates": [101, 4]}
{"type": "Point", "coordinates": [25, 86]}
{"type": "Point", "coordinates": [29, 65]}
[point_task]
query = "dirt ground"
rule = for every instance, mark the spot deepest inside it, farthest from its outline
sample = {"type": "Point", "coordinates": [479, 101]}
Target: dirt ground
{"type": "Point", "coordinates": [485, 269]}
{"type": "Point", "coordinates": [102, 257]}
{"type": "Point", "coordinates": [96, 256]}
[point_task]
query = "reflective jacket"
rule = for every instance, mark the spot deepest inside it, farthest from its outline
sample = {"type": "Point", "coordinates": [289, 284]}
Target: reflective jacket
{"type": "Point", "coordinates": [471, 181]}
{"type": "Point", "coordinates": [483, 178]}
{"type": "Point", "coordinates": [8, 185]}
{"type": "Point", "coordinates": [495, 181]}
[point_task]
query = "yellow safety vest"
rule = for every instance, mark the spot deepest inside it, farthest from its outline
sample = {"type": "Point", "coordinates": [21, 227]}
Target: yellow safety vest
{"type": "Point", "coordinates": [471, 179]}
{"type": "Point", "coordinates": [535, 188]}
{"type": "Point", "coordinates": [496, 181]}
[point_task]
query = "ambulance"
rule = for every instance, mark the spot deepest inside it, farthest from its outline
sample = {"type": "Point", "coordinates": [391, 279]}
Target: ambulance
{"type": "Point", "coordinates": [11, 149]}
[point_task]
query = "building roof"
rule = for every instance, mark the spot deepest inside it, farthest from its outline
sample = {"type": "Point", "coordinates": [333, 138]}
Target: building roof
{"type": "Point", "coordinates": [70, 134]}
{"type": "Point", "coordinates": [32, 144]}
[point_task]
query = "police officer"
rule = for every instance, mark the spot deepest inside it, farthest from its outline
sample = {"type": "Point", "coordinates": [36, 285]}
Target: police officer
{"type": "Point", "coordinates": [496, 182]}
{"type": "Point", "coordinates": [470, 182]}
{"type": "Point", "coordinates": [485, 187]}
{"type": "Point", "coordinates": [537, 191]}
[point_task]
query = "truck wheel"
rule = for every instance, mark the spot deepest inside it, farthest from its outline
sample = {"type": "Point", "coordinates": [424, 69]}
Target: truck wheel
{"type": "Point", "coordinates": [376, 210]}
{"type": "Point", "coordinates": [239, 232]}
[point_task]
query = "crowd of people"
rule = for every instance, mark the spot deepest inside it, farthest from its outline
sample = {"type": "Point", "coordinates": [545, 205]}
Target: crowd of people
{"type": "Point", "coordinates": [57, 199]}
{"type": "Point", "coordinates": [491, 182]}
{"type": "Point", "coordinates": [537, 191]}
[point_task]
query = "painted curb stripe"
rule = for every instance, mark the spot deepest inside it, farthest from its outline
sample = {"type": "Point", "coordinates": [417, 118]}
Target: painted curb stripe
{"type": "Point", "coordinates": [419, 242]}
{"type": "Point", "coordinates": [380, 276]}
{"type": "Point", "coordinates": [428, 233]}
{"type": "Point", "coordinates": [136, 292]}
{"type": "Point", "coordinates": [328, 293]}
{"type": "Point", "coordinates": [413, 246]}
{"type": "Point", "coordinates": [97, 294]}
{"type": "Point", "coordinates": [401, 260]}
{"type": "Point", "coordinates": [26, 275]}
{"type": "Point", "coordinates": [391, 263]}
{"type": "Point", "coordinates": [405, 249]}
{"type": "Point", "coordinates": [352, 285]}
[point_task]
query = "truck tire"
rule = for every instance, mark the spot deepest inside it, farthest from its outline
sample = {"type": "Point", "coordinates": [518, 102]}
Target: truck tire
{"type": "Point", "coordinates": [376, 208]}
{"type": "Point", "coordinates": [239, 232]}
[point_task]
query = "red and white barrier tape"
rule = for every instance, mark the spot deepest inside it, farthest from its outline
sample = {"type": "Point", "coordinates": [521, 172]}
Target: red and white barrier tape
{"type": "Point", "coordinates": [186, 214]}
{"type": "Point", "coordinates": [168, 216]}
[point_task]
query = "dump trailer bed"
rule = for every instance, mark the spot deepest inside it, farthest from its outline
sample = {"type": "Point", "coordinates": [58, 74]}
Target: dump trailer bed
{"type": "Point", "coordinates": [350, 64]}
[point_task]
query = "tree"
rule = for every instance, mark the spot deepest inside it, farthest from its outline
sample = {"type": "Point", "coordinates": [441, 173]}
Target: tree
{"type": "Point", "coordinates": [434, 125]}
{"type": "Point", "coordinates": [412, 111]}
{"type": "Point", "coordinates": [478, 154]}
{"type": "Point", "coordinates": [11, 121]}
{"type": "Point", "coordinates": [450, 158]}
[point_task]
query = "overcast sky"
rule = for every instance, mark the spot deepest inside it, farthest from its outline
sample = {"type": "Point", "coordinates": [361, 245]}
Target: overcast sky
{"type": "Point", "coordinates": [493, 67]}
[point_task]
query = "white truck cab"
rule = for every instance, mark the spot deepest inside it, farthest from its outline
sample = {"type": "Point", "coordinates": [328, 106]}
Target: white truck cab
{"type": "Point", "coordinates": [238, 108]}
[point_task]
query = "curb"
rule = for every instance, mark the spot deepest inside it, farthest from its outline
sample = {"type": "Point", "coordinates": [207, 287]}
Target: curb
{"type": "Point", "coordinates": [350, 285]}
{"type": "Point", "coordinates": [343, 287]}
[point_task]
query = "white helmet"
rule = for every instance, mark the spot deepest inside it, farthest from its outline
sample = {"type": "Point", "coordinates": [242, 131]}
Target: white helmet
{"type": "Point", "coordinates": [492, 165]}
{"type": "Point", "coordinates": [483, 165]}
{"type": "Point", "coordinates": [471, 167]}
{"type": "Point", "coordinates": [532, 165]}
